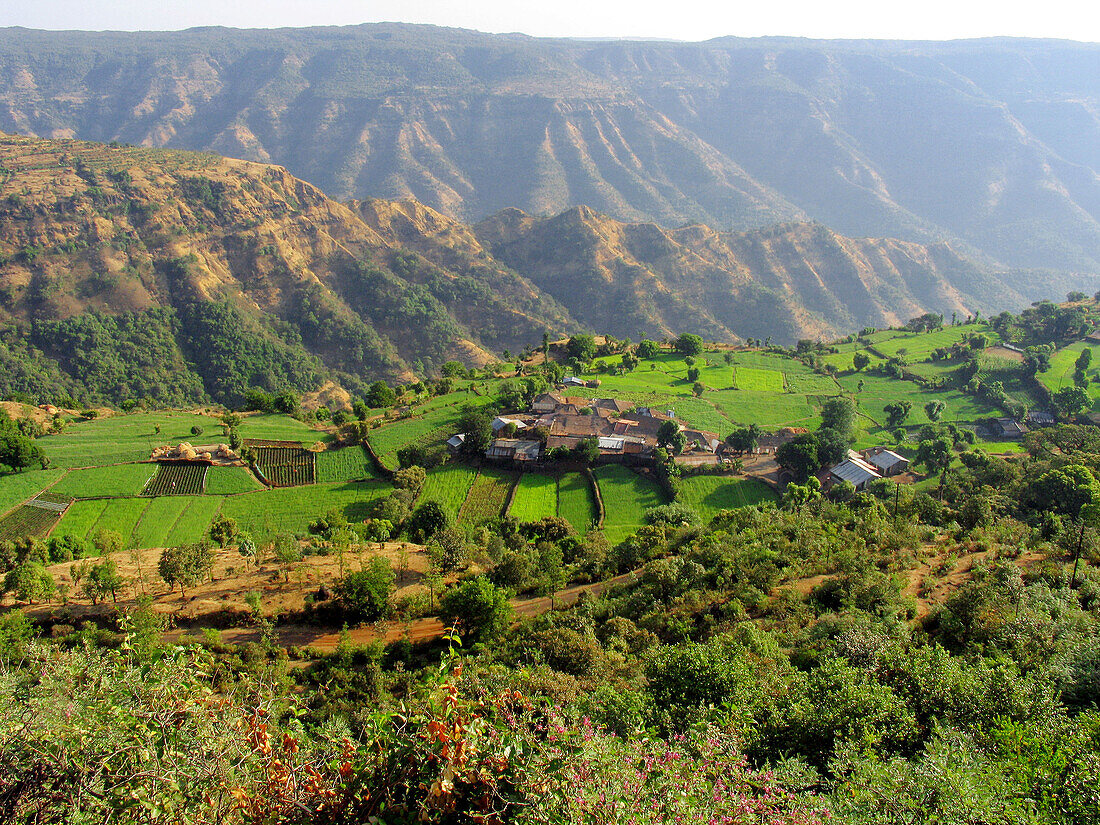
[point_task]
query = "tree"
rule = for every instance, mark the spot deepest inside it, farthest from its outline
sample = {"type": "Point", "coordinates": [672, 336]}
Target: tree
{"type": "Point", "coordinates": [427, 520]}
{"type": "Point", "coordinates": [860, 360]}
{"type": "Point", "coordinates": [693, 374]}
{"type": "Point", "coordinates": [897, 412]}
{"type": "Point", "coordinates": [582, 348]}
{"type": "Point", "coordinates": [698, 389]}
{"type": "Point", "coordinates": [744, 439]}
{"type": "Point", "coordinates": [648, 349]}
{"type": "Point", "coordinates": [102, 580]}
{"type": "Point", "coordinates": [1071, 400]}
{"type": "Point", "coordinates": [587, 450]}
{"type": "Point", "coordinates": [689, 344]}
{"type": "Point", "coordinates": [17, 452]}
{"type": "Point", "coordinates": [839, 414]}
{"type": "Point", "coordinates": [832, 447]}
{"type": "Point", "coordinates": [936, 455]}
{"type": "Point", "coordinates": [934, 410]}
{"type": "Point", "coordinates": [478, 427]}
{"type": "Point", "coordinates": [223, 530]}
{"type": "Point", "coordinates": [287, 551]}
{"type": "Point", "coordinates": [799, 456]}
{"type": "Point", "coordinates": [30, 582]}
{"type": "Point", "coordinates": [670, 437]}
{"type": "Point", "coordinates": [367, 592]}
{"type": "Point", "coordinates": [380, 394]}
{"type": "Point", "coordinates": [185, 565]}
{"type": "Point", "coordinates": [410, 478]}
{"type": "Point", "coordinates": [286, 402]}
{"type": "Point", "coordinates": [477, 608]}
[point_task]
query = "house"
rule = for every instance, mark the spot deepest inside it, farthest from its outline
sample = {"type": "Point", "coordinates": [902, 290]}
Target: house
{"type": "Point", "coordinates": [455, 442]}
{"type": "Point", "coordinates": [547, 403]}
{"type": "Point", "coordinates": [887, 462]}
{"type": "Point", "coordinates": [573, 381]}
{"type": "Point", "coordinates": [500, 422]}
{"type": "Point", "coordinates": [1040, 418]}
{"type": "Point", "coordinates": [514, 449]}
{"type": "Point", "coordinates": [768, 443]}
{"type": "Point", "coordinates": [855, 470]}
{"type": "Point", "coordinates": [611, 406]}
{"type": "Point", "coordinates": [701, 441]}
{"type": "Point", "coordinates": [1009, 428]}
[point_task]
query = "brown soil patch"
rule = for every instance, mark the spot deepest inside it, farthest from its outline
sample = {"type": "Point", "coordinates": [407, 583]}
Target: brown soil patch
{"type": "Point", "coordinates": [1006, 354]}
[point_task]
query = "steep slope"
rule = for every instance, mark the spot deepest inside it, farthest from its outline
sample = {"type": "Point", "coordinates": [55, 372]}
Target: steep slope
{"type": "Point", "coordinates": [228, 275]}
{"type": "Point", "coordinates": [990, 145]}
{"type": "Point", "coordinates": [784, 282]}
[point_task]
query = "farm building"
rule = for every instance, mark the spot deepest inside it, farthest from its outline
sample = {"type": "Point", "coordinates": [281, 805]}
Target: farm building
{"type": "Point", "coordinates": [1040, 418]}
{"type": "Point", "coordinates": [887, 462]}
{"type": "Point", "coordinates": [1009, 428]}
{"type": "Point", "coordinates": [514, 449]}
{"type": "Point", "coordinates": [768, 443]}
{"type": "Point", "coordinates": [855, 470]}
{"type": "Point", "coordinates": [500, 422]}
{"type": "Point", "coordinates": [455, 442]}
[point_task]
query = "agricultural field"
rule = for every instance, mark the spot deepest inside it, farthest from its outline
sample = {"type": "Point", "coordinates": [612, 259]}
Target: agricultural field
{"type": "Point", "coordinates": [15, 488]}
{"type": "Point", "coordinates": [278, 427]}
{"type": "Point", "coordinates": [122, 438]}
{"type": "Point", "coordinates": [536, 497]}
{"type": "Point", "coordinates": [1062, 367]}
{"type": "Point", "coordinates": [880, 390]}
{"type": "Point", "coordinates": [769, 410]}
{"type": "Point", "coordinates": [576, 504]}
{"type": "Point", "coordinates": [27, 520]}
{"type": "Point", "coordinates": [94, 482]}
{"type": "Point", "coordinates": [449, 485]}
{"type": "Point", "coordinates": [917, 346]}
{"type": "Point", "coordinates": [185, 478]}
{"type": "Point", "coordinates": [432, 428]}
{"type": "Point", "coordinates": [346, 464]}
{"type": "Point", "coordinates": [626, 496]}
{"type": "Point", "coordinates": [285, 466]}
{"type": "Point", "coordinates": [194, 522]}
{"type": "Point", "coordinates": [487, 496]}
{"type": "Point", "coordinates": [707, 494]}
{"type": "Point", "coordinates": [157, 520]}
{"type": "Point", "coordinates": [79, 518]}
{"type": "Point", "coordinates": [229, 481]}
{"type": "Point", "coordinates": [759, 380]}
{"type": "Point", "coordinates": [291, 509]}
{"type": "Point", "coordinates": [811, 384]}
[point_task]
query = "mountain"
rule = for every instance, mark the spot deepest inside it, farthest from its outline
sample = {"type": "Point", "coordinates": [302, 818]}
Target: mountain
{"type": "Point", "coordinates": [177, 277]}
{"type": "Point", "coordinates": [990, 145]}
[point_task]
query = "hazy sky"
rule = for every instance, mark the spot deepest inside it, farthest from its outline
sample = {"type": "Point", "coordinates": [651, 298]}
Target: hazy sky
{"type": "Point", "coordinates": [677, 19]}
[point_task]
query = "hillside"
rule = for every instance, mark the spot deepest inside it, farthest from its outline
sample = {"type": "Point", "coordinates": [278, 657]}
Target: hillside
{"type": "Point", "coordinates": [176, 277]}
{"type": "Point", "coordinates": [989, 144]}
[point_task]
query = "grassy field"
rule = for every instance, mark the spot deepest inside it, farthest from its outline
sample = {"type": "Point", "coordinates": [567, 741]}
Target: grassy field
{"type": "Point", "coordinates": [709, 494]}
{"type": "Point", "coordinates": [536, 497]}
{"type": "Point", "coordinates": [758, 380]}
{"type": "Point", "coordinates": [880, 390]}
{"type": "Point", "coordinates": [278, 427]}
{"type": "Point", "coordinates": [15, 488]}
{"type": "Point", "coordinates": [156, 522]}
{"type": "Point", "coordinates": [433, 427]}
{"type": "Point", "coordinates": [626, 496]}
{"type": "Point", "coordinates": [291, 509]}
{"type": "Point", "coordinates": [576, 504]}
{"type": "Point", "coordinates": [347, 464]}
{"type": "Point", "coordinates": [449, 486]}
{"type": "Point", "coordinates": [227, 481]}
{"type": "Point", "coordinates": [118, 439]}
{"type": "Point", "coordinates": [769, 410]}
{"type": "Point", "coordinates": [79, 518]}
{"type": "Point", "coordinates": [487, 496]}
{"type": "Point", "coordinates": [812, 384]}
{"type": "Point", "coordinates": [918, 346]}
{"type": "Point", "coordinates": [122, 480]}
{"type": "Point", "coordinates": [1063, 365]}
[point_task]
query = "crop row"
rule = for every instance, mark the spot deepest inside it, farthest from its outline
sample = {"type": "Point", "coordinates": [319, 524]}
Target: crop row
{"type": "Point", "coordinates": [286, 466]}
{"type": "Point", "coordinates": [487, 497]}
{"type": "Point", "coordinates": [27, 520]}
{"type": "Point", "coordinates": [182, 479]}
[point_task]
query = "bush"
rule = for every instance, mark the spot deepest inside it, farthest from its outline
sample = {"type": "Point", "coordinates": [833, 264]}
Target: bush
{"type": "Point", "coordinates": [367, 592]}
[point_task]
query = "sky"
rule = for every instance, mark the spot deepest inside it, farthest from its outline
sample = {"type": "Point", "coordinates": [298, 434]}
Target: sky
{"type": "Point", "coordinates": [671, 19]}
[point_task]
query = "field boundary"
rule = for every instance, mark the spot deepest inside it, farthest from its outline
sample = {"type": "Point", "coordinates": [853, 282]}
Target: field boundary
{"type": "Point", "coordinates": [465, 501]}
{"type": "Point", "coordinates": [595, 487]}
{"type": "Point", "coordinates": [375, 460]}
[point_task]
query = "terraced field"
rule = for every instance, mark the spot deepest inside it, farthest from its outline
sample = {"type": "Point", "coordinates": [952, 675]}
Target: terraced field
{"type": "Point", "coordinates": [228, 481]}
{"type": "Point", "coordinates": [291, 509]}
{"type": "Point", "coordinates": [286, 466]}
{"type": "Point", "coordinates": [120, 438]}
{"type": "Point", "coordinates": [487, 496]}
{"type": "Point", "coordinates": [576, 504]}
{"type": "Point", "coordinates": [536, 497]}
{"type": "Point", "coordinates": [449, 485]}
{"type": "Point", "coordinates": [707, 494]}
{"type": "Point", "coordinates": [278, 427]}
{"type": "Point", "coordinates": [15, 488]}
{"type": "Point", "coordinates": [346, 464]}
{"type": "Point", "coordinates": [626, 496]}
{"type": "Point", "coordinates": [121, 480]}
{"type": "Point", "coordinates": [177, 479]}
{"type": "Point", "coordinates": [28, 520]}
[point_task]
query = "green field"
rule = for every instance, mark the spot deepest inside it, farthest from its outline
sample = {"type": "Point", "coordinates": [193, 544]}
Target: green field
{"type": "Point", "coordinates": [917, 346]}
{"type": "Point", "coordinates": [707, 494]}
{"type": "Point", "coordinates": [118, 439]}
{"type": "Point", "coordinates": [227, 481]}
{"type": "Point", "coordinates": [277, 427]}
{"type": "Point", "coordinates": [769, 410]}
{"type": "Point", "coordinates": [95, 482]}
{"type": "Point", "coordinates": [79, 518]}
{"type": "Point", "coordinates": [346, 464]}
{"type": "Point", "coordinates": [536, 497]}
{"type": "Point", "coordinates": [291, 509]}
{"type": "Point", "coordinates": [433, 427]}
{"type": "Point", "coordinates": [812, 384]}
{"type": "Point", "coordinates": [576, 504]}
{"type": "Point", "coordinates": [1063, 366]}
{"type": "Point", "coordinates": [194, 522]}
{"type": "Point", "coordinates": [448, 485]}
{"type": "Point", "coordinates": [158, 519]}
{"type": "Point", "coordinates": [880, 390]}
{"type": "Point", "coordinates": [15, 488]}
{"type": "Point", "coordinates": [626, 496]}
{"type": "Point", "coordinates": [487, 496]}
{"type": "Point", "coordinates": [758, 380]}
